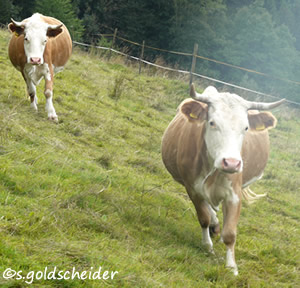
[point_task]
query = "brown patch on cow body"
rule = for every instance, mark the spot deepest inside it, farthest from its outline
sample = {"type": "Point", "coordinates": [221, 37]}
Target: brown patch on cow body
{"type": "Point", "coordinates": [186, 157]}
{"type": "Point", "coordinates": [57, 51]}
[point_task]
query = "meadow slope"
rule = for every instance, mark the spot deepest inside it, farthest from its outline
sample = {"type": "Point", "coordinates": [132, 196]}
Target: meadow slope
{"type": "Point", "coordinates": [91, 190]}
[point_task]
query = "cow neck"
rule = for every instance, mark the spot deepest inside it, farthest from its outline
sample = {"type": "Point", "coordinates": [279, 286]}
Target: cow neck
{"type": "Point", "coordinates": [210, 175]}
{"type": "Point", "coordinates": [210, 169]}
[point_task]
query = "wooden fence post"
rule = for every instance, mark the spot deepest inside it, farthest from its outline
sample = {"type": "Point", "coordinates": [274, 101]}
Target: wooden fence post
{"type": "Point", "coordinates": [141, 57]}
{"type": "Point", "coordinates": [113, 42]}
{"type": "Point", "coordinates": [193, 62]}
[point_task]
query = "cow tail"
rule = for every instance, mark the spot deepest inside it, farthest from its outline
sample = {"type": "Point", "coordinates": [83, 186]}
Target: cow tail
{"type": "Point", "coordinates": [250, 196]}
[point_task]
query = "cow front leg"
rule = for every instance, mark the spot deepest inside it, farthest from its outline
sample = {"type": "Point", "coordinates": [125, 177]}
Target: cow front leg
{"type": "Point", "coordinates": [214, 227]}
{"type": "Point", "coordinates": [49, 96]}
{"type": "Point", "coordinates": [33, 98]}
{"type": "Point", "coordinates": [231, 213]}
{"type": "Point", "coordinates": [31, 89]}
{"type": "Point", "coordinates": [204, 218]}
{"type": "Point", "coordinates": [49, 105]}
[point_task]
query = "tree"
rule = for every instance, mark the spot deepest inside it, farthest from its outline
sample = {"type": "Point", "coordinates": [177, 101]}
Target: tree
{"type": "Point", "coordinates": [257, 43]}
{"type": "Point", "coordinates": [25, 8]}
{"type": "Point", "coordinates": [287, 13]}
{"type": "Point", "coordinates": [7, 10]}
{"type": "Point", "coordinates": [92, 14]}
{"type": "Point", "coordinates": [203, 23]}
{"type": "Point", "coordinates": [64, 11]}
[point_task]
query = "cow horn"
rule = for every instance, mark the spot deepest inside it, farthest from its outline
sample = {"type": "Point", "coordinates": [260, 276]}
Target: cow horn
{"type": "Point", "coordinates": [263, 106]}
{"type": "Point", "coordinates": [55, 26]}
{"type": "Point", "coordinates": [16, 23]}
{"type": "Point", "coordinates": [199, 97]}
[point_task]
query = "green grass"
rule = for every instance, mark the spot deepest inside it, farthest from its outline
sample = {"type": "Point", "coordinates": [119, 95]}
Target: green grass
{"type": "Point", "coordinates": [92, 191]}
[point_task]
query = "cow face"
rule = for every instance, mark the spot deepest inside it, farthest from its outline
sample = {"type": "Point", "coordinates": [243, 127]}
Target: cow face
{"type": "Point", "coordinates": [225, 124]}
{"type": "Point", "coordinates": [226, 120]}
{"type": "Point", "coordinates": [36, 34]}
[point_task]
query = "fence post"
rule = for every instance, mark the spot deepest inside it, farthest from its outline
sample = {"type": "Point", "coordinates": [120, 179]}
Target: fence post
{"type": "Point", "coordinates": [193, 62]}
{"type": "Point", "coordinates": [141, 57]}
{"type": "Point", "coordinates": [113, 42]}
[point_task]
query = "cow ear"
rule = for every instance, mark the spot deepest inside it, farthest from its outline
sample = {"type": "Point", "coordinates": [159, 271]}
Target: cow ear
{"type": "Point", "coordinates": [260, 121]}
{"type": "Point", "coordinates": [17, 30]}
{"type": "Point", "coordinates": [54, 30]}
{"type": "Point", "coordinates": [194, 110]}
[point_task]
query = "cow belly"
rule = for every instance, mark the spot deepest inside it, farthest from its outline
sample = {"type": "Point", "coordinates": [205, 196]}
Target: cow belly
{"type": "Point", "coordinates": [58, 69]}
{"type": "Point", "coordinates": [169, 150]}
{"type": "Point", "coordinates": [250, 181]}
{"type": "Point", "coordinates": [169, 158]}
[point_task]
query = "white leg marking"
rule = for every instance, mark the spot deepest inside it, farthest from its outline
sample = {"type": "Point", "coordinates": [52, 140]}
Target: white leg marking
{"type": "Point", "coordinates": [230, 262]}
{"type": "Point", "coordinates": [206, 240]}
{"type": "Point", "coordinates": [49, 106]}
{"type": "Point", "coordinates": [34, 104]}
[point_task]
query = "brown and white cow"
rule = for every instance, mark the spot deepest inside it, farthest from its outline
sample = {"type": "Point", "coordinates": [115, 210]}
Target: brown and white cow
{"type": "Point", "coordinates": [215, 147]}
{"type": "Point", "coordinates": [40, 47]}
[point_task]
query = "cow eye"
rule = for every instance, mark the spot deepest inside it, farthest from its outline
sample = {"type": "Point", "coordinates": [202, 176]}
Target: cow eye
{"type": "Point", "coordinates": [212, 124]}
{"type": "Point", "coordinates": [26, 39]}
{"type": "Point", "coordinates": [247, 128]}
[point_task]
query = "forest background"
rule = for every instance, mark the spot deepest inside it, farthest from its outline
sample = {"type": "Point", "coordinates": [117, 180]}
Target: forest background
{"type": "Point", "coordinates": [260, 35]}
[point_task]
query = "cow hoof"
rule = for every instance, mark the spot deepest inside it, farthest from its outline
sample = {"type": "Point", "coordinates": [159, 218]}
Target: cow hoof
{"type": "Point", "coordinates": [214, 230]}
{"type": "Point", "coordinates": [208, 248]}
{"type": "Point", "coordinates": [34, 106]}
{"type": "Point", "coordinates": [209, 251]}
{"type": "Point", "coordinates": [234, 270]}
{"type": "Point", "coordinates": [53, 118]}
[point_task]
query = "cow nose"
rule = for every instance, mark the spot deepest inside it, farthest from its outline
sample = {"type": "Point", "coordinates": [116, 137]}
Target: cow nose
{"type": "Point", "coordinates": [35, 60]}
{"type": "Point", "coordinates": [231, 165]}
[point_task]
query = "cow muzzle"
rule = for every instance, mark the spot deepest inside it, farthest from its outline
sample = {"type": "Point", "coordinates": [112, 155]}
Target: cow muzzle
{"type": "Point", "coordinates": [35, 60]}
{"type": "Point", "coordinates": [231, 165]}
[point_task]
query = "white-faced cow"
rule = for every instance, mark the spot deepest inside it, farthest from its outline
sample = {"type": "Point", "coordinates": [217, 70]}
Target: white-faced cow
{"type": "Point", "coordinates": [40, 47]}
{"type": "Point", "coordinates": [216, 148]}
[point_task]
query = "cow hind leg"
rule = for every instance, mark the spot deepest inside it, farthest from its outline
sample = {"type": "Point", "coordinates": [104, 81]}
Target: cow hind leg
{"type": "Point", "coordinates": [214, 227]}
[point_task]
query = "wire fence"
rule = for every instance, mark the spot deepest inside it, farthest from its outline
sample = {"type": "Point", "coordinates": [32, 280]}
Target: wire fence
{"type": "Point", "coordinates": [203, 58]}
{"type": "Point", "coordinates": [190, 73]}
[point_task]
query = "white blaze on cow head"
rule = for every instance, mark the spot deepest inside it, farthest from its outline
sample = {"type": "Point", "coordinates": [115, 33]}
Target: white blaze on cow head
{"type": "Point", "coordinates": [226, 123]}
{"type": "Point", "coordinates": [36, 34]}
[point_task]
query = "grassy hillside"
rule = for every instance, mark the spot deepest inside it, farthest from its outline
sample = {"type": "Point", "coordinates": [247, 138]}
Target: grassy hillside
{"type": "Point", "coordinates": [91, 190]}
